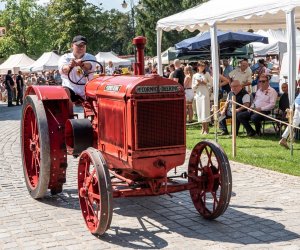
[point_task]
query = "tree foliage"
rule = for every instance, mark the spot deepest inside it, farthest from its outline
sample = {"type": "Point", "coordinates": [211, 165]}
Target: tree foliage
{"type": "Point", "coordinates": [34, 29]}
{"type": "Point", "coordinates": [154, 10]}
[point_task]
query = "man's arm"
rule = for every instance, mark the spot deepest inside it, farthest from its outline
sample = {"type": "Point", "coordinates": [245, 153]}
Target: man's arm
{"type": "Point", "coordinates": [246, 102]}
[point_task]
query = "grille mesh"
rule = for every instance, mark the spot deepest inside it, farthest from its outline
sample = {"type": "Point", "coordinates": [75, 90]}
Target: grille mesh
{"type": "Point", "coordinates": [160, 123]}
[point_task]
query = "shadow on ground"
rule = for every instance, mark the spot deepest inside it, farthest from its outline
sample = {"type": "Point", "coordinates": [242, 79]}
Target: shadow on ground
{"type": "Point", "coordinates": [160, 216]}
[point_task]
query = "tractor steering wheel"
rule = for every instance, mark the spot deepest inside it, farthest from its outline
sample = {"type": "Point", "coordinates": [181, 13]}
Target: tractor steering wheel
{"type": "Point", "coordinates": [84, 73]}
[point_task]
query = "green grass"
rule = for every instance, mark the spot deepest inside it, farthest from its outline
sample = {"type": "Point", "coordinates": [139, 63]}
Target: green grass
{"type": "Point", "coordinates": [264, 151]}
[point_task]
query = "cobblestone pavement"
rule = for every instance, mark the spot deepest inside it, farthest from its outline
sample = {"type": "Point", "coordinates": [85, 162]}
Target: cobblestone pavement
{"type": "Point", "coordinates": [264, 212]}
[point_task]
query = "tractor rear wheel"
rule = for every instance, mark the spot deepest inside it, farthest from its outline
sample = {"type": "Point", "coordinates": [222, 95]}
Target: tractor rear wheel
{"type": "Point", "coordinates": [35, 146]}
{"type": "Point", "coordinates": [209, 168]}
{"type": "Point", "coordinates": [95, 191]}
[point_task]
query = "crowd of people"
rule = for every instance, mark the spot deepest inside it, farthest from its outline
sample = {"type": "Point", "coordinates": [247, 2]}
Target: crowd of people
{"type": "Point", "coordinates": [249, 83]}
{"type": "Point", "coordinates": [13, 86]}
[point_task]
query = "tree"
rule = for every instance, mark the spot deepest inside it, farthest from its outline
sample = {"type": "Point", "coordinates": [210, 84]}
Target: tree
{"type": "Point", "coordinates": [25, 25]}
{"type": "Point", "coordinates": [152, 11]}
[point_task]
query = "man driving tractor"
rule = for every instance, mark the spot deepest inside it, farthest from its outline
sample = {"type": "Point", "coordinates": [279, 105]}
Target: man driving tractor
{"type": "Point", "coordinates": [75, 61]}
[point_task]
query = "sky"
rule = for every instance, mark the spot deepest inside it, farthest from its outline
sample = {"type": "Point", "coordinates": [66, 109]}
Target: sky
{"type": "Point", "coordinates": [106, 4]}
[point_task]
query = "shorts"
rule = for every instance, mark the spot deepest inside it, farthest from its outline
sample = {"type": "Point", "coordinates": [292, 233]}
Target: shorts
{"type": "Point", "coordinates": [189, 95]}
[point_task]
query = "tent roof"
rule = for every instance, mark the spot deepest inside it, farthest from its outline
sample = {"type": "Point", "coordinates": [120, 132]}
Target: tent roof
{"type": "Point", "coordinates": [233, 15]}
{"type": "Point", "coordinates": [15, 62]}
{"type": "Point", "coordinates": [110, 56]}
{"type": "Point", "coordinates": [47, 61]}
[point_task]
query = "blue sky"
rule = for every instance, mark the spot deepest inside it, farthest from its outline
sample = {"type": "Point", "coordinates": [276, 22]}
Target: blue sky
{"type": "Point", "coordinates": [107, 4]}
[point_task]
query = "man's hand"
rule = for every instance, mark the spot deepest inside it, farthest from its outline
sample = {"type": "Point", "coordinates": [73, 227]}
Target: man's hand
{"type": "Point", "coordinates": [75, 62]}
{"type": "Point", "coordinates": [257, 109]}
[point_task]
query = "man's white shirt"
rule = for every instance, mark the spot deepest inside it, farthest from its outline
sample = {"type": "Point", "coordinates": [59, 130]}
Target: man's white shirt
{"type": "Point", "coordinates": [76, 73]}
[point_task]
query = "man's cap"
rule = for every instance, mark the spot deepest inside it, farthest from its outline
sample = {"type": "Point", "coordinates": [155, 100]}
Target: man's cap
{"type": "Point", "coordinates": [79, 39]}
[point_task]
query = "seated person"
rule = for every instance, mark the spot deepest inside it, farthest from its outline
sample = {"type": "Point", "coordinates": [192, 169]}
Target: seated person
{"type": "Point", "coordinates": [296, 122]}
{"type": "Point", "coordinates": [74, 59]}
{"type": "Point", "coordinates": [284, 98]}
{"type": "Point", "coordinates": [264, 102]}
{"type": "Point", "coordinates": [242, 97]}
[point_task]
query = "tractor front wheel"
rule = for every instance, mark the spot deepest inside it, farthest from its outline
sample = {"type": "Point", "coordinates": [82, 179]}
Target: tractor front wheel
{"type": "Point", "coordinates": [209, 168]}
{"type": "Point", "coordinates": [95, 191]}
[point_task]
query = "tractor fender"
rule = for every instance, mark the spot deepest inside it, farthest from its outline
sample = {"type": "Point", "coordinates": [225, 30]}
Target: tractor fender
{"type": "Point", "coordinates": [47, 92]}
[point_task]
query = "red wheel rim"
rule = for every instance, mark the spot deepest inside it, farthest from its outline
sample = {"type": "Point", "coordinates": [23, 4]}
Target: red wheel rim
{"type": "Point", "coordinates": [205, 169]}
{"type": "Point", "coordinates": [89, 193]}
{"type": "Point", "coordinates": [32, 150]}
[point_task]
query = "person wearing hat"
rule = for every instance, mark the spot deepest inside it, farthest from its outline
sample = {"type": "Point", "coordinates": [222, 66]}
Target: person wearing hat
{"type": "Point", "coordinates": [75, 60]}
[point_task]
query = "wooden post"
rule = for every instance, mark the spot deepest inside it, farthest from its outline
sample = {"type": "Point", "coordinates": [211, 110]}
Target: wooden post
{"type": "Point", "coordinates": [233, 128]}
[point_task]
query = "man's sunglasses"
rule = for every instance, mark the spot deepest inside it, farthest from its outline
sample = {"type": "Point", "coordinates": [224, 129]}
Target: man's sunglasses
{"type": "Point", "coordinates": [263, 81]}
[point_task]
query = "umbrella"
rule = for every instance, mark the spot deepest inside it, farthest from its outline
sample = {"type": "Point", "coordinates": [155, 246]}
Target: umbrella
{"type": "Point", "coordinates": [243, 52]}
{"type": "Point", "coordinates": [228, 42]}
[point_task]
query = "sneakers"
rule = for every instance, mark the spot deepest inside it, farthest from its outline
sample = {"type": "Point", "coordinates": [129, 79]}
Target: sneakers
{"type": "Point", "coordinates": [283, 143]}
{"type": "Point", "coordinates": [251, 134]}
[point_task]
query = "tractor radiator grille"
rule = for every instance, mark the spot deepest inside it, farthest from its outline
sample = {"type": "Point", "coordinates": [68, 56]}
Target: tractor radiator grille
{"type": "Point", "coordinates": [160, 123]}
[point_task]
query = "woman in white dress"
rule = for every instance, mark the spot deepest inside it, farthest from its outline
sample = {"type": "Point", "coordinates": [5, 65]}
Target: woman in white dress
{"type": "Point", "coordinates": [201, 84]}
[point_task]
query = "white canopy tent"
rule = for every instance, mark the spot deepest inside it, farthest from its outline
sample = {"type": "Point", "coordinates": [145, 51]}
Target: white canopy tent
{"type": "Point", "coordinates": [48, 61]}
{"type": "Point", "coordinates": [237, 15]}
{"type": "Point", "coordinates": [166, 56]}
{"type": "Point", "coordinates": [110, 56]}
{"type": "Point", "coordinates": [277, 42]}
{"type": "Point", "coordinates": [15, 62]}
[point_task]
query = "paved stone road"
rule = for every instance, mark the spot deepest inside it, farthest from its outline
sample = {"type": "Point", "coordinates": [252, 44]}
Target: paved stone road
{"type": "Point", "coordinates": [264, 212]}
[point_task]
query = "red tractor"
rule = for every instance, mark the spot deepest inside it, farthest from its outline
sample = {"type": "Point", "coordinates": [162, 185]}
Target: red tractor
{"type": "Point", "coordinates": [133, 133]}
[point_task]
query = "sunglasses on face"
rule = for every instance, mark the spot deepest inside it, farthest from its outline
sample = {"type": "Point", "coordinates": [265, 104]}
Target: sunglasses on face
{"type": "Point", "coordinates": [80, 45]}
{"type": "Point", "coordinates": [262, 81]}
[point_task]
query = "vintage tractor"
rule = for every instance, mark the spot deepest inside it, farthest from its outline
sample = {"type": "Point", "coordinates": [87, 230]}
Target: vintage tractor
{"type": "Point", "coordinates": [133, 133]}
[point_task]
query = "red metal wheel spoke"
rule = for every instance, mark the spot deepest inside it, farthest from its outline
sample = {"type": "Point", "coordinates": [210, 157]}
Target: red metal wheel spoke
{"type": "Point", "coordinates": [216, 201]}
{"type": "Point", "coordinates": [32, 161]}
{"type": "Point", "coordinates": [36, 164]}
{"type": "Point", "coordinates": [87, 206]}
{"type": "Point", "coordinates": [91, 178]}
{"type": "Point", "coordinates": [93, 211]}
{"type": "Point", "coordinates": [209, 155]}
{"type": "Point", "coordinates": [94, 196]}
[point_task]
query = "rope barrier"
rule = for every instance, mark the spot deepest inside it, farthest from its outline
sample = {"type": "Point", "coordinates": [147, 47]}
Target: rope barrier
{"type": "Point", "coordinates": [194, 123]}
{"type": "Point", "coordinates": [269, 117]}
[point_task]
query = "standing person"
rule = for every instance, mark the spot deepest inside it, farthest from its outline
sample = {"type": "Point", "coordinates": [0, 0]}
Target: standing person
{"type": "Point", "coordinates": [200, 85]}
{"type": "Point", "coordinates": [189, 92]}
{"type": "Point", "coordinates": [296, 122]}
{"type": "Point", "coordinates": [261, 70]}
{"type": "Point", "coordinates": [20, 88]}
{"type": "Point", "coordinates": [166, 72]}
{"type": "Point", "coordinates": [9, 85]}
{"type": "Point", "coordinates": [172, 70]}
{"type": "Point", "coordinates": [109, 69]}
{"type": "Point", "coordinates": [227, 69]}
{"type": "Point", "coordinates": [75, 60]}
{"type": "Point", "coordinates": [178, 75]}
{"type": "Point", "coordinates": [57, 77]}
{"type": "Point", "coordinates": [243, 74]}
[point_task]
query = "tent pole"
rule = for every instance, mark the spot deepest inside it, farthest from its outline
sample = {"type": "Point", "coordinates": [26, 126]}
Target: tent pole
{"type": "Point", "coordinates": [291, 50]}
{"type": "Point", "coordinates": [158, 43]}
{"type": "Point", "coordinates": [216, 71]}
